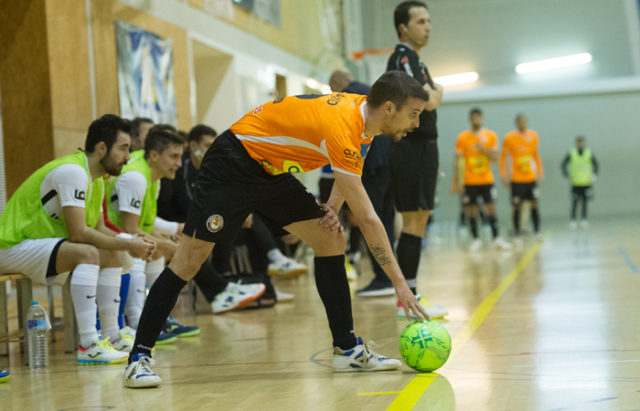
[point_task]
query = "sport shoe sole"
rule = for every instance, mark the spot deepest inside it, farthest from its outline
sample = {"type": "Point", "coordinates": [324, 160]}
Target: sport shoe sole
{"type": "Point", "coordinates": [167, 341]}
{"type": "Point", "coordinates": [97, 362]}
{"type": "Point", "coordinates": [385, 292]}
{"type": "Point", "coordinates": [246, 302]}
{"type": "Point", "coordinates": [290, 274]}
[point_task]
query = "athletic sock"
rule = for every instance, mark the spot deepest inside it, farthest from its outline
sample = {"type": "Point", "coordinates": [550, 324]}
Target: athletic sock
{"type": "Point", "coordinates": [124, 291]}
{"type": "Point", "coordinates": [84, 281]}
{"type": "Point", "coordinates": [516, 221]}
{"type": "Point", "coordinates": [493, 223]}
{"type": "Point", "coordinates": [408, 252]}
{"type": "Point", "coordinates": [108, 300]}
{"type": "Point", "coordinates": [535, 217]}
{"type": "Point", "coordinates": [135, 298]}
{"type": "Point", "coordinates": [153, 269]}
{"type": "Point", "coordinates": [275, 255]}
{"type": "Point", "coordinates": [354, 239]}
{"type": "Point", "coordinates": [473, 224]}
{"type": "Point", "coordinates": [160, 301]}
{"type": "Point", "coordinates": [333, 288]}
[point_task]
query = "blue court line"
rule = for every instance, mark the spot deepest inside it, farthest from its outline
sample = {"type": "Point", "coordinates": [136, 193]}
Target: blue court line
{"type": "Point", "coordinates": [627, 259]}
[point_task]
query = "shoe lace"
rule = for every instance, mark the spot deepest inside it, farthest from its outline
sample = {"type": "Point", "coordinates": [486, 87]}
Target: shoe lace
{"type": "Point", "coordinates": [144, 364]}
{"type": "Point", "coordinates": [105, 344]}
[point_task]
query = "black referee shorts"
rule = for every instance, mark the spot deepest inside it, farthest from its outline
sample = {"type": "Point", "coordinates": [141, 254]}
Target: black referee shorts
{"type": "Point", "coordinates": [414, 171]}
{"type": "Point", "coordinates": [231, 185]}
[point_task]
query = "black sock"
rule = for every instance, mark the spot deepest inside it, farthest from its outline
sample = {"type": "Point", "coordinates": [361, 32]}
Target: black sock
{"type": "Point", "coordinates": [162, 297]}
{"type": "Point", "coordinates": [354, 239]}
{"type": "Point", "coordinates": [408, 252]}
{"type": "Point", "coordinates": [333, 287]}
{"type": "Point", "coordinates": [493, 223]}
{"type": "Point", "coordinates": [473, 224]}
{"type": "Point", "coordinates": [516, 221]}
{"type": "Point", "coordinates": [535, 217]}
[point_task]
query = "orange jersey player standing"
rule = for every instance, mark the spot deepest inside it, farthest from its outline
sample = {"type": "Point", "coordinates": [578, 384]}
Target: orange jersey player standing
{"type": "Point", "coordinates": [478, 147]}
{"type": "Point", "coordinates": [521, 146]}
{"type": "Point", "coordinates": [247, 170]}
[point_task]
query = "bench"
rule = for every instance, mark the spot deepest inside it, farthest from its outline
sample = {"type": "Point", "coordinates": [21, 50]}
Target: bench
{"type": "Point", "coordinates": [24, 295]}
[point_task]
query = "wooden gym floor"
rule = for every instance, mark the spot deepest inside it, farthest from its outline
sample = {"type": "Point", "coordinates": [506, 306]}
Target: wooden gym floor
{"type": "Point", "coordinates": [553, 327]}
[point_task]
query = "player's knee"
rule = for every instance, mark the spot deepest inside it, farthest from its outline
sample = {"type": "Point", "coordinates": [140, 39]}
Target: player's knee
{"type": "Point", "coordinates": [110, 258]}
{"type": "Point", "coordinates": [86, 254]}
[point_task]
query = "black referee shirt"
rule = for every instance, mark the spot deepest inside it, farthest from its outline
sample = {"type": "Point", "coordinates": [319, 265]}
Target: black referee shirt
{"type": "Point", "coordinates": [407, 60]}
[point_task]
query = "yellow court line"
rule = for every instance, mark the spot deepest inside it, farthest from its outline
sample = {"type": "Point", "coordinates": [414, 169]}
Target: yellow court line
{"type": "Point", "coordinates": [410, 395]}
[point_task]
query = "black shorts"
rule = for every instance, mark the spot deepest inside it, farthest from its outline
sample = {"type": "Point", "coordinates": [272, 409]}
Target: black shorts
{"type": "Point", "coordinates": [524, 192]}
{"type": "Point", "coordinates": [414, 171]}
{"type": "Point", "coordinates": [487, 192]}
{"type": "Point", "coordinates": [580, 192]}
{"type": "Point", "coordinates": [231, 185]}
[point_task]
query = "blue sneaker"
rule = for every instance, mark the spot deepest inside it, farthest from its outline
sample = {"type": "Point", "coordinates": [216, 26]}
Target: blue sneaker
{"type": "Point", "coordinates": [174, 327]}
{"type": "Point", "coordinates": [139, 373]}
{"type": "Point", "coordinates": [377, 289]}
{"type": "Point", "coordinates": [166, 338]}
{"type": "Point", "coordinates": [4, 376]}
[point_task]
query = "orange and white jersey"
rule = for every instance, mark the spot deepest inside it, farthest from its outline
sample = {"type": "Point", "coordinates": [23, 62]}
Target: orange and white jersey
{"type": "Point", "coordinates": [477, 166]}
{"type": "Point", "coordinates": [526, 165]}
{"type": "Point", "coordinates": [301, 133]}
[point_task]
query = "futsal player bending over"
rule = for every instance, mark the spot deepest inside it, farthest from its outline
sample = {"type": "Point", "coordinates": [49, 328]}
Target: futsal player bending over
{"type": "Point", "coordinates": [247, 170]}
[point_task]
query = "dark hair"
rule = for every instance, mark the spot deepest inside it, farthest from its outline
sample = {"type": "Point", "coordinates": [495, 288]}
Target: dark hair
{"type": "Point", "coordinates": [200, 130]}
{"type": "Point", "coordinates": [395, 86]}
{"type": "Point", "coordinates": [580, 138]}
{"type": "Point", "coordinates": [135, 125]}
{"type": "Point", "coordinates": [475, 110]}
{"type": "Point", "coordinates": [160, 137]}
{"type": "Point", "coordinates": [105, 129]}
{"type": "Point", "coordinates": [402, 13]}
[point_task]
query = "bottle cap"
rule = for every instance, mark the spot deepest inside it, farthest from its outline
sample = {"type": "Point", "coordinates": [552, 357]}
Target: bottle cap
{"type": "Point", "coordinates": [34, 303]}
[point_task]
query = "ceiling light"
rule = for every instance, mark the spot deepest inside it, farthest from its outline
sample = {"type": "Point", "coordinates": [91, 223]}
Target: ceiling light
{"type": "Point", "coordinates": [554, 63]}
{"type": "Point", "coordinates": [457, 79]}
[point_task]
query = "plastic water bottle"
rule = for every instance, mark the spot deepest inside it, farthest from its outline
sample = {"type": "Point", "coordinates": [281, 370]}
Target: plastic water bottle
{"type": "Point", "coordinates": [38, 327]}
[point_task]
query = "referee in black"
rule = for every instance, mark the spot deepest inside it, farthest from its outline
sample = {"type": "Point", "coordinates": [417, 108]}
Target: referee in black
{"type": "Point", "coordinates": [414, 159]}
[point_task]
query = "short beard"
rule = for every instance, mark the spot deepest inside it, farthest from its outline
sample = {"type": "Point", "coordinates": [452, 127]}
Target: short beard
{"type": "Point", "coordinates": [110, 169]}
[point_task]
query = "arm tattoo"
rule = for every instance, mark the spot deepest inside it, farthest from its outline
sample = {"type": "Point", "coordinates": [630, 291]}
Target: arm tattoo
{"type": "Point", "coordinates": [380, 255]}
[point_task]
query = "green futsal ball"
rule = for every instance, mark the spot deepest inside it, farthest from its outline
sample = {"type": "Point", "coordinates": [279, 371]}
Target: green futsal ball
{"type": "Point", "coordinates": [425, 346]}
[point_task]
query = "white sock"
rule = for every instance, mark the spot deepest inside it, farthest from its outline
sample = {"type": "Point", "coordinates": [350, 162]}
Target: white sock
{"type": "Point", "coordinates": [84, 281]}
{"type": "Point", "coordinates": [135, 297]}
{"type": "Point", "coordinates": [153, 270]}
{"type": "Point", "coordinates": [108, 300]}
{"type": "Point", "coordinates": [275, 255]}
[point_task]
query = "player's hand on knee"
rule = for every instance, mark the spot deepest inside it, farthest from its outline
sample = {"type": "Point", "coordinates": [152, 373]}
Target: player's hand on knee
{"type": "Point", "coordinates": [330, 220]}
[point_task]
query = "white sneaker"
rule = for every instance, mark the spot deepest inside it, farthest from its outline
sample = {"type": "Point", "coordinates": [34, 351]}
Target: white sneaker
{"type": "Point", "coordinates": [434, 310]}
{"type": "Point", "coordinates": [101, 352]}
{"type": "Point", "coordinates": [476, 245]}
{"type": "Point", "coordinates": [139, 373]}
{"type": "Point", "coordinates": [287, 267]}
{"type": "Point", "coordinates": [283, 297]}
{"type": "Point", "coordinates": [500, 244]}
{"type": "Point", "coordinates": [584, 224]}
{"type": "Point", "coordinates": [573, 225]}
{"type": "Point", "coordinates": [236, 296]}
{"type": "Point", "coordinates": [361, 358]}
{"type": "Point", "coordinates": [125, 341]}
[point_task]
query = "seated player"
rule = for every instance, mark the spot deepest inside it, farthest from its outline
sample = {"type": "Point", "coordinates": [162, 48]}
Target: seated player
{"type": "Point", "coordinates": [52, 226]}
{"type": "Point", "coordinates": [247, 170]}
{"type": "Point", "coordinates": [478, 147]}
{"type": "Point", "coordinates": [132, 207]}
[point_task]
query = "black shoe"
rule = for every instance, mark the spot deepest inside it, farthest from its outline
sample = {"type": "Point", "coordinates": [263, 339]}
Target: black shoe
{"type": "Point", "coordinates": [377, 288]}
